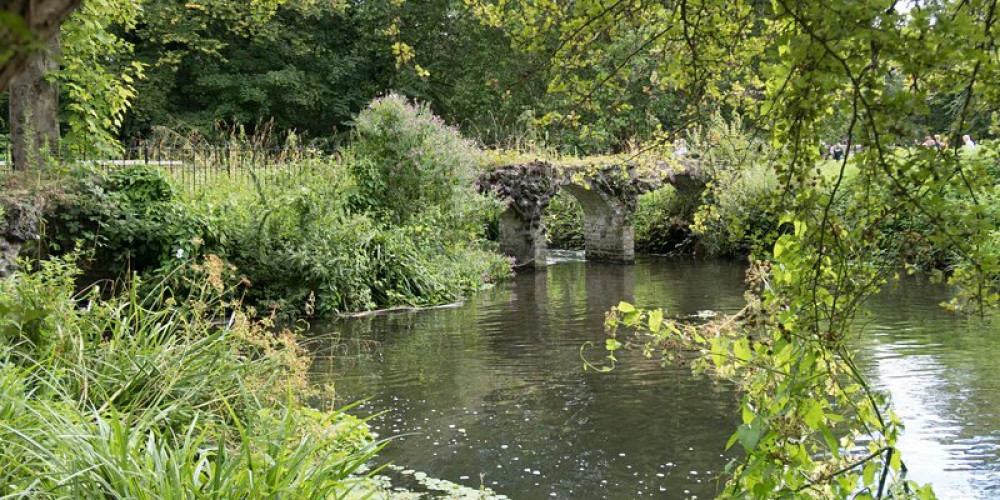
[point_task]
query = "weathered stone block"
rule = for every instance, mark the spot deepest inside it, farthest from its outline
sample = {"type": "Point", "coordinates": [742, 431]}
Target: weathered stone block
{"type": "Point", "coordinates": [523, 239]}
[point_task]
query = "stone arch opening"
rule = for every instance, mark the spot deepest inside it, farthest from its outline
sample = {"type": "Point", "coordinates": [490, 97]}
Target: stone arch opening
{"type": "Point", "coordinates": [663, 219]}
{"type": "Point", "coordinates": [608, 233]}
{"type": "Point", "coordinates": [563, 222]}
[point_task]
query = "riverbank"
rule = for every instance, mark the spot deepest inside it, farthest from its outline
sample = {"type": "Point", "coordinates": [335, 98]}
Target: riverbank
{"type": "Point", "coordinates": [375, 225]}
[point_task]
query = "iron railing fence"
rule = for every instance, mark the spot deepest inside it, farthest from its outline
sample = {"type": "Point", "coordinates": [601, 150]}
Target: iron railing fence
{"type": "Point", "coordinates": [196, 166]}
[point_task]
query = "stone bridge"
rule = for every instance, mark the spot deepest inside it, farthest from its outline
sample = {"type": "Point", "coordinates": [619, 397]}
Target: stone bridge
{"type": "Point", "coordinates": [609, 195]}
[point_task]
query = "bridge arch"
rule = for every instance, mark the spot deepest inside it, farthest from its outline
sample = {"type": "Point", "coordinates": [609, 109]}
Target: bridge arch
{"type": "Point", "coordinates": [608, 232]}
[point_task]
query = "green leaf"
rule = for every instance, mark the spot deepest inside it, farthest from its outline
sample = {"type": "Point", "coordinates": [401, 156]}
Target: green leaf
{"type": "Point", "coordinates": [732, 439]}
{"type": "Point", "coordinates": [719, 352]}
{"type": "Point", "coordinates": [741, 348]}
{"type": "Point", "coordinates": [779, 248]}
{"type": "Point", "coordinates": [814, 417]}
{"type": "Point", "coordinates": [869, 472]}
{"type": "Point", "coordinates": [831, 442]}
{"type": "Point", "coordinates": [749, 435]}
{"type": "Point", "coordinates": [655, 320]}
{"type": "Point", "coordinates": [612, 344]}
{"type": "Point", "coordinates": [625, 307]}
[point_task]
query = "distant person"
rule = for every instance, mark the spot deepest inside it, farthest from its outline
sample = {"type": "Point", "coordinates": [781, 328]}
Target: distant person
{"type": "Point", "coordinates": [968, 142]}
{"type": "Point", "coordinates": [928, 142]}
{"type": "Point", "coordinates": [680, 148]}
{"type": "Point", "coordinates": [838, 151]}
{"type": "Point", "coordinates": [938, 142]}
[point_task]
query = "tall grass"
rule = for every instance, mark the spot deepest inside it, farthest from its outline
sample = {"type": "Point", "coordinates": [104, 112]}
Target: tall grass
{"type": "Point", "coordinates": [131, 397]}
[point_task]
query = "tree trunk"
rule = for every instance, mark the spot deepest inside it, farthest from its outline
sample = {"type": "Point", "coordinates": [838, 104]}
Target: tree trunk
{"type": "Point", "coordinates": [34, 106]}
{"type": "Point", "coordinates": [26, 22]}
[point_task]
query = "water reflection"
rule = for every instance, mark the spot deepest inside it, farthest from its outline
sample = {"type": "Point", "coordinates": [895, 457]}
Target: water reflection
{"type": "Point", "coordinates": [497, 388]}
{"type": "Point", "coordinates": [494, 391]}
{"type": "Point", "coordinates": [944, 378]}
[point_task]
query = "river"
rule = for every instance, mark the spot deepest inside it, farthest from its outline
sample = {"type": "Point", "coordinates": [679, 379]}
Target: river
{"type": "Point", "coordinates": [494, 392]}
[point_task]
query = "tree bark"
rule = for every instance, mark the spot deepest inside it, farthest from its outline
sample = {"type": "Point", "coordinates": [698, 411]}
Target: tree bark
{"type": "Point", "coordinates": [34, 110]}
{"type": "Point", "coordinates": [31, 23]}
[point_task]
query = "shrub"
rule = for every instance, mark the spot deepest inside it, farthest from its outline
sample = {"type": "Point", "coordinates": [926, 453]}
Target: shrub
{"type": "Point", "coordinates": [140, 184]}
{"type": "Point", "coordinates": [737, 212]}
{"type": "Point", "coordinates": [406, 160]}
{"type": "Point", "coordinates": [303, 250]}
{"type": "Point", "coordinates": [127, 218]}
{"type": "Point", "coordinates": [662, 221]}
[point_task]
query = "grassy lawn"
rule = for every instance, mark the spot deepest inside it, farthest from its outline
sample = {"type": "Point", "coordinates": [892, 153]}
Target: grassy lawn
{"type": "Point", "coordinates": [831, 169]}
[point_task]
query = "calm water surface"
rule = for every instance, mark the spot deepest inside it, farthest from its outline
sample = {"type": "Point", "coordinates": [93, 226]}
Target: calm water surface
{"type": "Point", "coordinates": [494, 392]}
{"type": "Point", "coordinates": [944, 376]}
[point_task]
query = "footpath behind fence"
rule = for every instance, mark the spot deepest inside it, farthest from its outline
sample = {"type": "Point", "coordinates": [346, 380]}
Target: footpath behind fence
{"type": "Point", "coordinates": [193, 167]}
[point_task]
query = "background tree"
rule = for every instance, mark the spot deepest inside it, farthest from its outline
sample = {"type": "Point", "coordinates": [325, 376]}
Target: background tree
{"type": "Point", "coordinates": [29, 47]}
{"type": "Point", "coordinates": [611, 64]}
{"type": "Point", "coordinates": [132, 67]}
{"type": "Point", "coordinates": [25, 28]}
{"type": "Point", "coordinates": [311, 67]}
{"type": "Point", "coordinates": [34, 109]}
{"type": "Point", "coordinates": [97, 75]}
{"type": "Point", "coordinates": [98, 71]}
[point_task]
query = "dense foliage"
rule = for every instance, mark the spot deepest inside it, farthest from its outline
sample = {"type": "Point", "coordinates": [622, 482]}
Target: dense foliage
{"type": "Point", "coordinates": [563, 221]}
{"type": "Point", "coordinates": [134, 67]}
{"type": "Point", "coordinates": [395, 221]}
{"type": "Point", "coordinates": [663, 223]}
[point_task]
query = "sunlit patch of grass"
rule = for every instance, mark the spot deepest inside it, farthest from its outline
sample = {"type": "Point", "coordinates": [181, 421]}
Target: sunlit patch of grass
{"type": "Point", "coordinates": [831, 169]}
